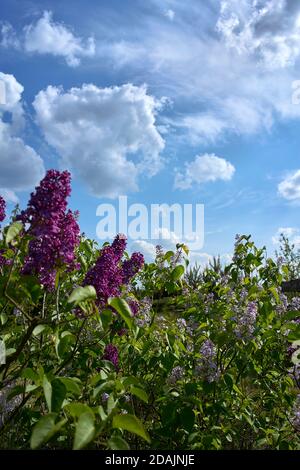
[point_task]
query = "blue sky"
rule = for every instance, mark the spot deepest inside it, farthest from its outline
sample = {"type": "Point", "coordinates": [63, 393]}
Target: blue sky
{"type": "Point", "coordinates": [163, 101]}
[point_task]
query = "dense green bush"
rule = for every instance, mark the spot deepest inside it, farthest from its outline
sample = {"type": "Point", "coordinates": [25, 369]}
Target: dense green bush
{"type": "Point", "coordinates": [167, 363]}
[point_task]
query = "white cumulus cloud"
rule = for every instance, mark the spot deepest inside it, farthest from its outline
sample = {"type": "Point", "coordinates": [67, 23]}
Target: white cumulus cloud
{"type": "Point", "coordinates": [204, 168]}
{"type": "Point", "coordinates": [289, 188]}
{"type": "Point", "coordinates": [108, 136]}
{"type": "Point", "coordinates": [20, 166]}
{"type": "Point", "coordinates": [268, 29]}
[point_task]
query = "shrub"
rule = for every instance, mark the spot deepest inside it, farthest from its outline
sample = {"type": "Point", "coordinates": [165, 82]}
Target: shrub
{"type": "Point", "coordinates": [106, 352]}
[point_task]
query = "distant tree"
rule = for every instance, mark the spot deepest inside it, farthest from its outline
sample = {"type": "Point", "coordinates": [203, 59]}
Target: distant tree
{"type": "Point", "coordinates": [289, 256]}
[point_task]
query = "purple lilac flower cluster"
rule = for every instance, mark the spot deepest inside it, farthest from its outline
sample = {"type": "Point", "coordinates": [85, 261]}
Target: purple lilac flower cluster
{"type": "Point", "coordinates": [176, 374]}
{"type": "Point", "coordinates": [111, 354]}
{"type": "Point", "coordinates": [110, 273]}
{"type": "Point", "coordinates": [132, 266]}
{"type": "Point", "coordinates": [2, 209]}
{"type": "Point", "coordinates": [134, 306]}
{"type": "Point", "coordinates": [207, 367]}
{"type": "Point", "coordinates": [105, 276]}
{"type": "Point", "coordinates": [55, 232]}
{"type": "Point", "coordinates": [246, 322]}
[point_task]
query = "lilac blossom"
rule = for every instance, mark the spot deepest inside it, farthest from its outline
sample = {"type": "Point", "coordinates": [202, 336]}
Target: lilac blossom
{"type": "Point", "coordinates": [294, 304]}
{"type": "Point", "coordinates": [109, 272]}
{"type": "Point", "coordinates": [176, 374]}
{"type": "Point", "coordinates": [119, 246]}
{"type": "Point", "coordinates": [144, 317]}
{"type": "Point", "coordinates": [134, 306]}
{"type": "Point", "coordinates": [54, 232]}
{"type": "Point", "coordinates": [2, 209]}
{"type": "Point", "coordinates": [132, 266]}
{"type": "Point", "coordinates": [111, 354]}
{"type": "Point", "coordinates": [207, 366]}
{"type": "Point", "coordinates": [181, 323]}
{"type": "Point", "coordinates": [105, 276]}
{"type": "Point", "coordinates": [246, 322]}
{"type": "Point", "coordinates": [104, 397]}
{"type": "Point", "coordinates": [282, 307]}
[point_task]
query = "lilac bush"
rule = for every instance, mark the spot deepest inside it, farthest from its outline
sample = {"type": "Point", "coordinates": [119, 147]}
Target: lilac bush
{"type": "Point", "coordinates": [98, 340]}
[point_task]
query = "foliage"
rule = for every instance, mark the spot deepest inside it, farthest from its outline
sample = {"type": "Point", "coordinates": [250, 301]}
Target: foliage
{"type": "Point", "coordinates": [162, 363]}
{"type": "Point", "coordinates": [288, 256]}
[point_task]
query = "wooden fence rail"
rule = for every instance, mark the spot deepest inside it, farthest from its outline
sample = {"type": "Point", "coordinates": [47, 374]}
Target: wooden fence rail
{"type": "Point", "coordinates": [291, 286]}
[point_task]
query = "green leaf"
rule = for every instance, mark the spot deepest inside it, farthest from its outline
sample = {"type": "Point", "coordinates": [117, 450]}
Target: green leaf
{"type": "Point", "coordinates": [229, 381]}
{"type": "Point", "coordinates": [64, 343]}
{"type": "Point", "coordinates": [132, 424]}
{"type": "Point", "coordinates": [123, 309]}
{"type": "Point", "coordinates": [80, 294]}
{"type": "Point", "coordinates": [187, 419]}
{"type": "Point", "coordinates": [105, 318]}
{"type": "Point", "coordinates": [117, 443]}
{"type": "Point", "coordinates": [168, 255]}
{"type": "Point", "coordinates": [47, 392]}
{"type": "Point", "coordinates": [85, 431]}
{"type": "Point", "coordinates": [71, 385]}
{"type": "Point", "coordinates": [59, 392]}
{"type": "Point", "coordinates": [111, 404]}
{"type": "Point", "coordinates": [294, 335]}
{"type": "Point", "coordinates": [39, 329]}
{"type": "Point", "coordinates": [77, 409]}
{"type": "Point", "coordinates": [13, 231]}
{"type": "Point", "coordinates": [30, 374]}
{"type": "Point", "coordinates": [140, 393]}
{"type": "Point", "coordinates": [177, 272]}
{"type": "Point", "coordinates": [45, 429]}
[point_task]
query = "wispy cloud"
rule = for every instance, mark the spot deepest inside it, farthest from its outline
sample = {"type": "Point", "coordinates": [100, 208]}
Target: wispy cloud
{"type": "Point", "coordinates": [46, 36]}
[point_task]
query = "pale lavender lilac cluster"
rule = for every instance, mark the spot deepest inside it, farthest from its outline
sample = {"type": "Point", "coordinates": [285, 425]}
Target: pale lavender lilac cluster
{"type": "Point", "coordinates": [144, 317]}
{"type": "Point", "coordinates": [54, 230]}
{"type": "Point", "coordinates": [207, 367]}
{"type": "Point", "coordinates": [177, 373]}
{"type": "Point", "coordinates": [181, 323]}
{"type": "Point", "coordinates": [245, 326]}
{"type": "Point", "coordinates": [294, 304]}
